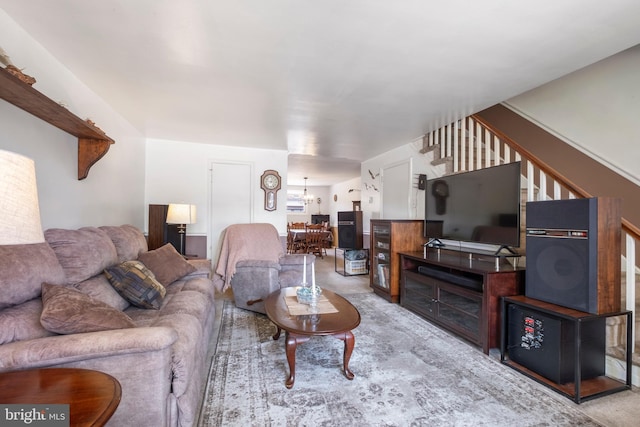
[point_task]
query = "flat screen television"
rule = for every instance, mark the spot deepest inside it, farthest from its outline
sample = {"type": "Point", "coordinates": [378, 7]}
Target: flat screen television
{"type": "Point", "coordinates": [482, 206]}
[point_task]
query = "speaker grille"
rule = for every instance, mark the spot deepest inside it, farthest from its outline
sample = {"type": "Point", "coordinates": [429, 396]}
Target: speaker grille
{"type": "Point", "coordinates": [346, 236]}
{"type": "Point", "coordinates": [346, 216]}
{"type": "Point", "coordinates": [570, 214]}
{"type": "Point", "coordinates": [558, 271]}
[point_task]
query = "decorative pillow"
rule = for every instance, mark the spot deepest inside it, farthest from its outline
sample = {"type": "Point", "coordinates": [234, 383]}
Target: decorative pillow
{"type": "Point", "coordinates": [167, 264]}
{"type": "Point", "coordinates": [67, 311]}
{"type": "Point", "coordinates": [82, 253]}
{"type": "Point", "coordinates": [98, 287]}
{"type": "Point", "coordinates": [137, 284]}
{"type": "Point", "coordinates": [128, 240]}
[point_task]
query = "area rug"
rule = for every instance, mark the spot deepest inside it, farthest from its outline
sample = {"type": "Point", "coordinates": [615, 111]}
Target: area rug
{"type": "Point", "coordinates": [408, 372]}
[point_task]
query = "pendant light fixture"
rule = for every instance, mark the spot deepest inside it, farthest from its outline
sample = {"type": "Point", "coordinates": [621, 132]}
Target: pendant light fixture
{"type": "Point", "coordinates": [308, 198]}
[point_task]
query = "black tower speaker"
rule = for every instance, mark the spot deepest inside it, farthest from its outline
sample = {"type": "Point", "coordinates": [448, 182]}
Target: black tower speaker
{"type": "Point", "coordinates": [545, 344]}
{"type": "Point", "coordinates": [350, 229]}
{"type": "Point", "coordinates": [573, 253]}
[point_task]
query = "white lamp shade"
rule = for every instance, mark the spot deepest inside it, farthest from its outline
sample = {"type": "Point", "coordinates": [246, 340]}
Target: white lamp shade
{"type": "Point", "coordinates": [19, 209]}
{"type": "Point", "coordinates": [181, 214]}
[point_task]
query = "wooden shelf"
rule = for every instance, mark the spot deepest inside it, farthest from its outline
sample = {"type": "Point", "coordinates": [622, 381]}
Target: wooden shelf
{"type": "Point", "coordinates": [589, 389]}
{"type": "Point", "coordinates": [93, 143]}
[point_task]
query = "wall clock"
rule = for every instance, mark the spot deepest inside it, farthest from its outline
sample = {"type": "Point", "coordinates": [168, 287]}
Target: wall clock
{"type": "Point", "coordinates": [270, 182]}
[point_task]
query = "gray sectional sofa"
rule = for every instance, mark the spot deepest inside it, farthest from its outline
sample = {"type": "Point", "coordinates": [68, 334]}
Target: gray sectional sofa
{"type": "Point", "coordinates": [78, 319]}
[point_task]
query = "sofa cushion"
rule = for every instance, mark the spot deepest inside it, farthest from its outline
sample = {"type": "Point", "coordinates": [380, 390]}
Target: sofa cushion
{"type": "Point", "coordinates": [22, 322]}
{"type": "Point", "coordinates": [98, 287]}
{"type": "Point", "coordinates": [197, 284]}
{"type": "Point", "coordinates": [128, 240]}
{"type": "Point", "coordinates": [82, 253]}
{"type": "Point", "coordinates": [67, 311]}
{"type": "Point", "coordinates": [137, 284]}
{"type": "Point", "coordinates": [23, 268]}
{"type": "Point", "coordinates": [167, 264]}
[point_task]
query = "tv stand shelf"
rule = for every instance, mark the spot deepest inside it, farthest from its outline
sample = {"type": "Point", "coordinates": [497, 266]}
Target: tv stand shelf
{"type": "Point", "coordinates": [459, 293]}
{"type": "Point", "coordinates": [497, 257]}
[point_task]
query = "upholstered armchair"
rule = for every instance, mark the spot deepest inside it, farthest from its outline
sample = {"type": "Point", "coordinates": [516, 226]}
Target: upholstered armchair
{"type": "Point", "coordinates": [254, 264]}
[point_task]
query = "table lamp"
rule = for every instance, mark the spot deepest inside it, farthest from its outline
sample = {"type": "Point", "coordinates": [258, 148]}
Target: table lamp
{"type": "Point", "coordinates": [181, 214]}
{"type": "Point", "coordinates": [19, 209]}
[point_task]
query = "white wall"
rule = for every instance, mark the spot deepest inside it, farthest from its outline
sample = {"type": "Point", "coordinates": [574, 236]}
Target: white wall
{"type": "Point", "coordinates": [320, 191]}
{"type": "Point", "coordinates": [342, 198]}
{"type": "Point", "coordinates": [595, 109]}
{"type": "Point", "coordinates": [112, 194]}
{"type": "Point", "coordinates": [178, 171]}
{"type": "Point", "coordinates": [373, 186]}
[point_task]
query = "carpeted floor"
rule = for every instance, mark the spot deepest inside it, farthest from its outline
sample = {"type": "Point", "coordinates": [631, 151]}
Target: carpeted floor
{"type": "Point", "coordinates": [407, 372]}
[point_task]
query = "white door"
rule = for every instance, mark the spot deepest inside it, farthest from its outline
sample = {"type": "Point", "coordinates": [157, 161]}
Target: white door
{"type": "Point", "coordinates": [231, 201]}
{"type": "Point", "coordinates": [396, 190]}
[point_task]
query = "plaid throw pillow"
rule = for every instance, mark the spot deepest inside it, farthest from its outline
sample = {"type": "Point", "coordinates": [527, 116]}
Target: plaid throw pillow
{"type": "Point", "coordinates": [137, 284]}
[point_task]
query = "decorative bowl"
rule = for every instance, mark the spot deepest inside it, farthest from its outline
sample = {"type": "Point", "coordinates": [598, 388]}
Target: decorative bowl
{"type": "Point", "coordinates": [306, 296]}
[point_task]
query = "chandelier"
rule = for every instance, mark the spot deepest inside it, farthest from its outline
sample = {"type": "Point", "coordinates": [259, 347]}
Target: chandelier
{"type": "Point", "coordinates": [308, 198]}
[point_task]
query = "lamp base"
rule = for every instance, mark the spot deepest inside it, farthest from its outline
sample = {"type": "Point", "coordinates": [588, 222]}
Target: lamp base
{"type": "Point", "coordinates": [182, 231]}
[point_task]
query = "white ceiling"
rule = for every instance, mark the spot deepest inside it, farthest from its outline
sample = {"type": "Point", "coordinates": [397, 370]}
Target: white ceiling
{"type": "Point", "coordinates": [334, 82]}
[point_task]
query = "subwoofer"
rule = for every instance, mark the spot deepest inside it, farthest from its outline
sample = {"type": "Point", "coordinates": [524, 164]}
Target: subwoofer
{"type": "Point", "coordinates": [545, 344]}
{"type": "Point", "coordinates": [350, 229]}
{"type": "Point", "coordinates": [573, 253]}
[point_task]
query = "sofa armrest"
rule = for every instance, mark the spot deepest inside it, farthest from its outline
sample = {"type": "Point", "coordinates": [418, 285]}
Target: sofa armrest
{"type": "Point", "coordinates": [257, 263]}
{"type": "Point", "coordinates": [297, 259]}
{"type": "Point", "coordinates": [62, 349]}
{"type": "Point", "coordinates": [203, 268]}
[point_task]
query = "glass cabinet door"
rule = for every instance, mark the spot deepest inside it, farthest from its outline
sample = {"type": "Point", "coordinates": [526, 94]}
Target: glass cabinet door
{"type": "Point", "coordinates": [419, 293]}
{"type": "Point", "coordinates": [461, 310]}
{"type": "Point", "coordinates": [381, 255]}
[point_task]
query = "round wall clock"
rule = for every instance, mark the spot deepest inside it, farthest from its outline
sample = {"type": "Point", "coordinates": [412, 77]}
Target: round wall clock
{"type": "Point", "coordinates": [270, 182]}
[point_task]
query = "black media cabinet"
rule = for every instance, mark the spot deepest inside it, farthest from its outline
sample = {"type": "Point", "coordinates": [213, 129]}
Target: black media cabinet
{"type": "Point", "coordinates": [459, 291]}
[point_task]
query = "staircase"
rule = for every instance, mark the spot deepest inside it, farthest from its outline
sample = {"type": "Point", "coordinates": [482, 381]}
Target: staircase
{"type": "Point", "coordinates": [469, 144]}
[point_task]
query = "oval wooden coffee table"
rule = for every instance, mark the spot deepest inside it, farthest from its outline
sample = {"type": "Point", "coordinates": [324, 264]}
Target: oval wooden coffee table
{"type": "Point", "coordinates": [299, 328]}
{"type": "Point", "coordinates": [92, 396]}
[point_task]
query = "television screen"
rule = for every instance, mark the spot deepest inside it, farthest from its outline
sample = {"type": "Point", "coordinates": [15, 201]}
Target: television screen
{"type": "Point", "coordinates": [481, 206]}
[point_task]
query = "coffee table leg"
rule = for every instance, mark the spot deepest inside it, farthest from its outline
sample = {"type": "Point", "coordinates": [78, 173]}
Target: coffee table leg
{"type": "Point", "coordinates": [349, 343]}
{"type": "Point", "coordinates": [292, 343]}
{"type": "Point", "coordinates": [276, 336]}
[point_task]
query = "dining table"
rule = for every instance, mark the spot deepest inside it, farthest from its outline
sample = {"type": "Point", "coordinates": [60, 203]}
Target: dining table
{"type": "Point", "coordinates": [299, 235]}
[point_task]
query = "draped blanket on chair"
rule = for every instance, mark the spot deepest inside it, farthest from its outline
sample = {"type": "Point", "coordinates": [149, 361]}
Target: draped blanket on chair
{"type": "Point", "coordinates": [245, 242]}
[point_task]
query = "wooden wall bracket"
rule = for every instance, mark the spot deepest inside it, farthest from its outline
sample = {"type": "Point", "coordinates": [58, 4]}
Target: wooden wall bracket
{"type": "Point", "coordinates": [89, 152]}
{"type": "Point", "coordinates": [93, 143]}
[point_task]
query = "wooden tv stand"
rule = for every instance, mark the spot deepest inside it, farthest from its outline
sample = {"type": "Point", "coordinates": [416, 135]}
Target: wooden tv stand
{"type": "Point", "coordinates": [459, 292]}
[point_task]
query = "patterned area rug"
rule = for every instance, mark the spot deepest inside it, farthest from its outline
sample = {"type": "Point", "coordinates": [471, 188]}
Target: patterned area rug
{"type": "Point", "coordinates": [408, 372]}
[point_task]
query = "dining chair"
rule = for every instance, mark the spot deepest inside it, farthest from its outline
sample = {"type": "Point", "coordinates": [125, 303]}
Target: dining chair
{"type": "Point", "coordinates": [315, 237]}
{"type": "Point", "coordinates": [295, 237]}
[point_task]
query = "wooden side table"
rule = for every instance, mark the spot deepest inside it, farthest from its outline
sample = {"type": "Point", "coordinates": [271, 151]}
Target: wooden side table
{"type": "Point", "coordinates": [92, 396]}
